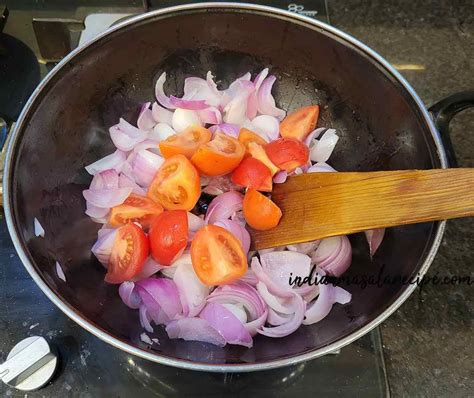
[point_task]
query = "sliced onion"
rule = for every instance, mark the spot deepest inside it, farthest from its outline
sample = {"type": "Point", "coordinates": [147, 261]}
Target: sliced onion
{"type": "Point", "coordinates": [238, 217]}
{"type": "Point", "coordinates": [236, 229]}
{"type": "Point", "coordinates": [333, 255]}
{"type": "Point", "coordinates": [374, 238]}
{"type": "Point", "coordinates": [160, 93]}
{"type": "Point", "coordinates": [169, 271]}
{"type": "Point", "coordinates": [281, 265]}
{"type": "Point", "coordinates": [103, 246]}
{"type": "Point", "coordinates": [112, 161]}
{"type": "Point", "coordinates": [293, 323]}
{"type": "Point", "coordinates": [161, 132]}
{"type": "Point", "coordinates": [321, 167]}
{"type": "Point", "coordinates": [162, 293]}
{"type": "Point", "coordinates": [107, 179]}
{"type": "Point", "coordinates": [193, 105]}
{"type": "Point", "coordinates": [199, 89]}
{"type": "Point", "coordinates": [275, 319]}
{"type": "Point", "coordinates": [212, 85]}
{"type": "Point", "coordinates": [145, 119]}
{"type": "Point", "coordinates": [129, 295]}
{"type": "Point", "coordinates": [145, 319]}
{"type": "Point", "coordinates": [161, 115]}
{"type": "Point", "coordinates": [184, 118]}
{"type": "Point", "coordinates": [324, 147]}
{"type": "Point", "coordinates": [106, 198]}
{"type": "Point", "coordinates": [235, 111]}
{"type": "Point", "coordinates": [244, 297]}
{"type": "Point", "coordinates": [328, 296]}
{"type": "Point", "coordinates": [195, 223]}
{"type": "Point", "coordinates": [223, 206]}
{"type": "Point", "coordinates": [266, 102]}
{"type": "Point", "coordinates": [96, 213]}
{"type": "Point", "coordinates": [150, 267]}
{"type": "Point", "coordinates": [60, 272]}
{"type": "Point", "coordinates": [280, 177]}
{"type": "Point", "coordinates": [238, 311]}
{"type": "Point", "coordinates": [283, 306]}
{"type": "Point", "coordinates": [266, 126]}
{"type": "Point", "coordinates": [252, 105]}
{"type": "Point", "coordinates": [242, 294]}
{"type": "Point", "coordinates": [125, 136]}
{"type": "Point", "coordinates": [260, 78]}
{"type": "Point", "coordinates": [229, 129]}
{"type": "Point", "coordinates": [144, 165]}
{"type": "Point", "coordinates": [127, 182]}
{"type": "Point", "coordinates": [192, 291]}
{"type": "Point", "coordinates": [310, 140]}
{"type": "Point", "coordinates": [305, 248]}
{"type": "Point", "coordinates": [39, 230]}
{"type": "Point", "coordinates": [229, 327]}
{"type": "Point", "coordinates": [249, 278]}
{"type": "Point", "coordinates": [194, 329]}
{"type": "Point", "coordinates": [272, 286]}
{"type": "Point", "coordinates": [210, 115]}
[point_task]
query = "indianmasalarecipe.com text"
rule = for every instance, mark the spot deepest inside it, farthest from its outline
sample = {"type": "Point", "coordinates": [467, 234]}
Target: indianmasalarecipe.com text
{"type": "Point", "coordinates": [378, 280]}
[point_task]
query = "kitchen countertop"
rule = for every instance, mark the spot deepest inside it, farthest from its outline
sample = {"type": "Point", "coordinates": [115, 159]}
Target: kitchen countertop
{"type": "Point", "coordinates": [428, 341]}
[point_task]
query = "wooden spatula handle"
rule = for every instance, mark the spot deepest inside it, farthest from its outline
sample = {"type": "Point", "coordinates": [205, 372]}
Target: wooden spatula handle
{"type": "Point", "coordinates": [319, 205]}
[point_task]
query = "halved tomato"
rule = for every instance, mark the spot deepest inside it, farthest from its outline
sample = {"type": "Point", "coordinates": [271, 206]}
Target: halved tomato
{"type": "Point", "coordinates": [217, 256]}
{"type": "Point", "coordinates": [287, 153]}
{"type": "Point", "coordinates": [246, 136]}
{"type": "Point", "coordinates": [169, 236]}
{"type": "Point", "coordinates": [257, 151]}
{"type": "Point", "coordinates": [185, 143]}
{"type": "Point", "coordinates": [129, 252]}
{"type": "Point", "coordinates": [219, 156]}
{"type": "Point", "coordinates": [176, 185]}
{"type": "Point", "coordinates": [300, 123]}
{"type": "Point", "coordinates": [252, 173]}
{"type": "Point", "coordinates": [259, 211]}
{"type": "Point", "coordinates": [136, 208]}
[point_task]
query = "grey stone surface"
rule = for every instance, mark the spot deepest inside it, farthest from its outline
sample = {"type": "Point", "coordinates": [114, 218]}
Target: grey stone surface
{"type": "Point", "coordinates": [429, 340]}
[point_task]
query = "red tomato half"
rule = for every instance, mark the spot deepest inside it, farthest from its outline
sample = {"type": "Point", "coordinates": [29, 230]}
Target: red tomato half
{"type": "Point", "coordinates": [169, 236]}
{"type": "Point", "coordinates": [176, 185]}
{"type": "Point", "coordinates": [217, 256]}
{"type": "Point", "coordinates": [129, 252]}
{"type": "Point", "coordinates": [252, 173]}
{"type": "Point", "coordinates": [135, 208]}
{"type": "Point", "coordinates": [287, 153]}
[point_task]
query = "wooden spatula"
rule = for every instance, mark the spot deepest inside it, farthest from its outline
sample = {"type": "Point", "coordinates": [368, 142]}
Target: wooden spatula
{"type": "Point", "coordinates": [319, 205]}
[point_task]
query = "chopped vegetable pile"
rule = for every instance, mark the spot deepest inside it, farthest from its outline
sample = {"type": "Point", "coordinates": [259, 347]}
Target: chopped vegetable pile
{"type": "Point", "coordinates": [175, 199]}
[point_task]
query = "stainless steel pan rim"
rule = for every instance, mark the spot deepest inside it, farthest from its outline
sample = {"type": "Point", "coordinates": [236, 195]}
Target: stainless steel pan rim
{"type": "Point", "coordinates": [100, 333]}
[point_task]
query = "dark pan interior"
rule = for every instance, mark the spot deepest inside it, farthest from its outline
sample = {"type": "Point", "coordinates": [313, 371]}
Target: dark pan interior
{"type": "Point", "coordinates": [67, 128]}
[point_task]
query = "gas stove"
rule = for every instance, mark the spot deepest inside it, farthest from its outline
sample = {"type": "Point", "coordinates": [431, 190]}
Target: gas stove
{"type": "Point", "coordinates": [34, 38]}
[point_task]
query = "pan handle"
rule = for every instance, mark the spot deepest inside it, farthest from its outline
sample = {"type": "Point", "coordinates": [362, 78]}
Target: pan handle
{"type": "Point", "coordinates": [442, 113]}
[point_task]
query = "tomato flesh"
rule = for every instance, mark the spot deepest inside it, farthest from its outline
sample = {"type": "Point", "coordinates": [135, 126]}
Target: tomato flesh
{"type": "Point", "coordinates": [246, 136]}
{"type": "Point", "coordinates": [176, 185]}
{"type": "Point", "coordinates": [136, 208]}
{"type": "Point", "coordinates": [259, 211]}
{"type": "Point", "coordinates": [219, 156]}
{"type": "Point", "coordinates": [258, 152]}
{"type": "Point", "coordinates": [185, 143]}
{"type": "Point", "coordinates": [252, 173]}
{"type": "Point", "coordinates": [129, 253]}
{"type": "Point", "coordinates": [169, 236]}
{"type": "Point", "coordinates": [300, 123]}
{"type": "Point", "coordinates": [287, 153]}
{"type": "Point", "coordinates": [217, 256]}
